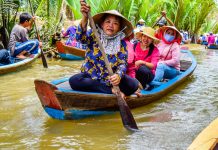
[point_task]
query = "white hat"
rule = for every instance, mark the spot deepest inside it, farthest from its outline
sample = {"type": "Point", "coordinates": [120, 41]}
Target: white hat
{"type": "Point", "coordinates": [141, 20]}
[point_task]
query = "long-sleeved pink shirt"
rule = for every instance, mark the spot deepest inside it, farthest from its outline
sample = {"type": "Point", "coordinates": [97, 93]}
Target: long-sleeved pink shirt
{"type": "Point", "coordinates": [131, 56]}
{"type": "Point", "coordinates": [211, 39]}
{"type": "Point", "coordinates": [170, 54]}
{"type": "Point", "coordinates": [141, 55]}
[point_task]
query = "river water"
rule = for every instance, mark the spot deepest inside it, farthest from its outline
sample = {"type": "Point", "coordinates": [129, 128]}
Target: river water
{"type": "Point", "coordinates": [169, 123]}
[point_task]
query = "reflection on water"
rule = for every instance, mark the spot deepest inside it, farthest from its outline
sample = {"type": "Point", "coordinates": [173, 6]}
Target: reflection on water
{"type": "Point", "coordinates": [170, 123]}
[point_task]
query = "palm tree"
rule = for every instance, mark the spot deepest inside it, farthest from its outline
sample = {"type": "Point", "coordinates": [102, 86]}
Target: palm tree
{"type": "Point", "coordinates": [189, 15]}
{"type": "Point", "coordinates": [8, 11]}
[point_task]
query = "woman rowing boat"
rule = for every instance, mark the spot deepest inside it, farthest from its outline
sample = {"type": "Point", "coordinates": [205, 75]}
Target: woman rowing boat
{"type": "Point", "coordinates": [113, 28]}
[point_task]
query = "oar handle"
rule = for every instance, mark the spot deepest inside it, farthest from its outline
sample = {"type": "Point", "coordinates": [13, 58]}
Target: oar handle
{"type": "Point", "coordinates": [37, 32]}
{"type": "Point", "coordinates": [44, 62]}
{"type": "Point", "coordinates": [157, 21]}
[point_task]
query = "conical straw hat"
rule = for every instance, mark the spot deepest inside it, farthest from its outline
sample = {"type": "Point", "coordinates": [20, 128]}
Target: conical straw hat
{"type": "Point", "coordinates": [141, 20]}
{"type": "Point", "coordinates": [148, 31]}
{"type": "Point", "coordinates": [164, 28]}
{"type": "Point", "coordinates": [98, 18]}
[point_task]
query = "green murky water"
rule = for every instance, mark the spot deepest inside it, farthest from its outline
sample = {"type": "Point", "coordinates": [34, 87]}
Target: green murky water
{"type": "Point", "coordinates": [170, 123]}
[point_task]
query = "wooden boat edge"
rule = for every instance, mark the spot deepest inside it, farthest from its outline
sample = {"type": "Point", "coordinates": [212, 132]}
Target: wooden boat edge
{"type": "Point", "coordinates": [17, 66]}
{"type": "Point", "coordinates": [207, 138]}
{"type": "Point", "coordinates": [69, 52]}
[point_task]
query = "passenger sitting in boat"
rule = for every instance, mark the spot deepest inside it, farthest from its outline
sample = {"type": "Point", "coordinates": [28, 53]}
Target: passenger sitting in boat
{"type": "Point", "coordinates": [140, 24]}
{"type": "Point", "coordinates": [71, 41]}
{"type": "Point", "coordinates": [204, 40]}
{"type": "Point", "coordinates": [211, 39]}
{"type": "Point", "coordinates": [4, 57]}
{"type": "Point", "coordinates": [135, 38]}
{"type": "Point", "coordinates": [70, 33]}
{"type": "Point", "coordinates": [185, 37]}
{"type": "Point", "coordinates": [216, 39]}
{"type": "Point", "coordinates": [169, 64]}
{"type": "Point", "coordinates": [113, 28]}
{"type": "Point", "coordinates": [19, 44]}
{"type": "Point", "coordinates": [146, 56]}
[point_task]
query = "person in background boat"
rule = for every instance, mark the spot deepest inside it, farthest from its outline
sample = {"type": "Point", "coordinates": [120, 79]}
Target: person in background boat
{"type": "Point", "coordinates": [146, 56]}
{"type": "Point", "coordinates": [211, 39]}
{"type": "Point", "coordinates": [169, 64]}
{"type": "Point", "coordinates": [4, 57]}
{"type": "Point", "coordinates": [199, 41]}
{"type": "Point", "coordinates": [140, 24]}
{"type": "Point", "coordinates": [204, 40]}
{"type": "Point", "coordinates": [71, 34]}
{"type": "Point", "coordinates": [185, 38]}
{"type": "Point", "coordinates": [216, 39]}
{"type": "Point", "coordinates": [163, 22]}
{"type": "Point", "coordinates": [135, 37]}
{"type": "Point", "coordinates": [113, 28]}
{"type": "Point", "coordinates": [20, 45]}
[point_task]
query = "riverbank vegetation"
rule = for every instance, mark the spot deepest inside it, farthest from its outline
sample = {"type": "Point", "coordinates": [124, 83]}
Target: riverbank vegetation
{"type": "Point", "coordinates": [194, 16]}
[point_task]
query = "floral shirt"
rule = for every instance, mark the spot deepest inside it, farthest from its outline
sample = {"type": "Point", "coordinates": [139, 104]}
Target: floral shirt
{"type": "Point", "coordinates": [94, 64]}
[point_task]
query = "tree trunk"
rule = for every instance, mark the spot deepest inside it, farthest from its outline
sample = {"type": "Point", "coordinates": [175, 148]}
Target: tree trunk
{"type": "Point", "coordinates": [194, 38]}
{"type": "Point", "coordinates": [48, 10]}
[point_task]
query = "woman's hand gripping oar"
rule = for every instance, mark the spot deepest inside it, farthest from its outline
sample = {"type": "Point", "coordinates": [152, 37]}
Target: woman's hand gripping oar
{"type": "Point", "coordinates": [44, 62]}
{"type": "Point", "coordinates": [126, 115]}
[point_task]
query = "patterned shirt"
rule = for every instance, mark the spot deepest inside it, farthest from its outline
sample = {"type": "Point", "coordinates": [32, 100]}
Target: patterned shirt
{"type": "Point", "coordinates": [94, 64]}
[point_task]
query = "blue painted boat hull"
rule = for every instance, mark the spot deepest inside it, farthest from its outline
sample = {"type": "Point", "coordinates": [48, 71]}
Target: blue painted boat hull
{"type": "Point", "coordinates": [70, 57]}
{"type": "Point", "coordinates": [213, 46]}
{"type": "Point", "coordinates": [74, 114]}
{"type": "Point", "coordinates": [69, 52]}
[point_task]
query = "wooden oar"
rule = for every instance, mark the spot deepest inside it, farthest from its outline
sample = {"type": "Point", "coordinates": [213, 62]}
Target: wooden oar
{"type": "Point", "coordinates": [44, 62]}
{"type": "Point", "coordinates": [126, 115]}
{"type": "Point", "coordinates": [157, 21]}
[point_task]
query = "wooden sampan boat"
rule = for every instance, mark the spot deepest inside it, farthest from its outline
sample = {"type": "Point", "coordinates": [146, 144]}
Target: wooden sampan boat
{"type": "Point", "coordinates": [70, 52]}
{"type": "Point", "coordinates": [207, 139]}
{"type": "Point", "coordinates": [18, 64]}
{"type": "Point", "coordinates": [213, 46]}
{"type": "Point", "coordinates": [61, 102]}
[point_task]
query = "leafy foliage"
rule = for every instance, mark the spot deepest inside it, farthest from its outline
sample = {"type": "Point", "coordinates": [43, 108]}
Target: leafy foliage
{"type": "Point", "coordinates": [8, 12]}
{"type": "Point", "coordinates": [195, 16]}
{"type": "Point", "coordinates": [9, 9]}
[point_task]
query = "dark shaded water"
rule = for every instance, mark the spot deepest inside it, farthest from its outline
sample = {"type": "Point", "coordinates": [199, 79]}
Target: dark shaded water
{"type": "Point", "coordinates": [170, 123]}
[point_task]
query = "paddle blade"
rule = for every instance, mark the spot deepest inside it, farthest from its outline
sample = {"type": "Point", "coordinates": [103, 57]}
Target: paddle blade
{"type": "Point", "coordinates": [44, 62]}
{"type": "Point", "coordinates": [126, 115]}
